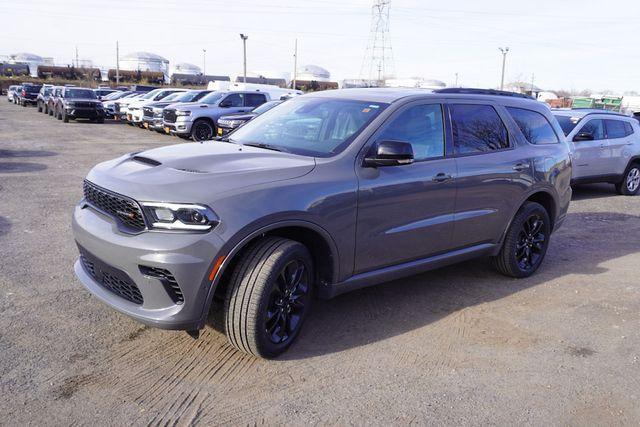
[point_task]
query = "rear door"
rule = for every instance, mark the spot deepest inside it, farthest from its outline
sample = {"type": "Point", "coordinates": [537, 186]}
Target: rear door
{"type": "Point", "coordinates": [619, 138]}
{"type": "Point", "coordinates": [406, 212]}
{"type": "Point", "coordinates": [591, 157]}
{"type": "Point", "coordinates": [233, 103]}
{"type": "Point", "coordinates": [492, 174]}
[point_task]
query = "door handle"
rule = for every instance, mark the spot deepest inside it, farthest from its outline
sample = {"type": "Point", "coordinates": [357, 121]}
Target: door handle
{"type": "Point", "coordinates": [520, 167]}
{"type": "Point", "coordinates": [441, 177]}
{"type": "Point", "coordinates": [602, 146]}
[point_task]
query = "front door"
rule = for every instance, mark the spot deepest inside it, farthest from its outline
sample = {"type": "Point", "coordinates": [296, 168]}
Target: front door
{"type": "Point", "coordinates": [406, 212]}
{"type": "Point", "coordinates": [591, 156]}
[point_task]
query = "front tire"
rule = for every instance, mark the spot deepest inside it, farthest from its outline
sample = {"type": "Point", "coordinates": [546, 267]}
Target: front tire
{"type": "Point", "coordinates": [202, 131]}
{"type": "Point", "coordinates": [526, 242]}
{"type": "Point", "coordinates": [630, 184]}
{"type": "Point", "coordinates": [39, 107]}
{"type": "Point", "coordinates": [268, 297]}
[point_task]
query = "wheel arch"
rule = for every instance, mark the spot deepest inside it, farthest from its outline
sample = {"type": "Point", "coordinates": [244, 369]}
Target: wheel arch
{"type": "Point", "coordinates": [321, 245]}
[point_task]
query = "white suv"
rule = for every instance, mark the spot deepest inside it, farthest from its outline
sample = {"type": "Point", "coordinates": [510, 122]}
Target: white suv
{"type": "Point", "coordinates": [134, 108]}
{"type": "Point", "coordinates": [606, 147]}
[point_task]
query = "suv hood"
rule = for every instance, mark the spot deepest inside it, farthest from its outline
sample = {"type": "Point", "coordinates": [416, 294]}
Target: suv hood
{"type": "Point", "coordinates": [190, 105]}
{"type": "Point", "coordinates": [196, 173]}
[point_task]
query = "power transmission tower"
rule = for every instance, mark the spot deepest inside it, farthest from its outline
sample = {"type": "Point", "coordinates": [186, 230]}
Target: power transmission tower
{"type": "Point", "coordinates": [378, 59]}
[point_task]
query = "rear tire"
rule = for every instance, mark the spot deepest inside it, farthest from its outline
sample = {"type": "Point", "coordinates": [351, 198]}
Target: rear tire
{"type": "Point", "coordinates": [65, 117]}
{"type": "Point", "coordinates": [100, 120]}
{"type": "Point", "coordinates": [39, 107]}
{"type": "Point", "coordinates": [630, 184]}
{"type": "Point", "coordinates": [268, 297]}
{"type": "Point", "coordinates": [526, 242]}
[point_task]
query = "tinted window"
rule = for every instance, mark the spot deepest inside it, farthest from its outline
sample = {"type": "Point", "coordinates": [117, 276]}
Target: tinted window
{"type": "Point", "coordinates": [534, 126]}
{"type": "Point", "coordinates": [309, 126]}
{"type": "Point", "coordinates": [477, 129]}
{"type": "Point", "coordinates": [594, 128]}
{"type": "Point", "coordinates": [212, 98]}
{"type": "Point", "coordinates": [266, 107]}
{"type": "Point", "coordinates": [628, 128]}
{"type": "Point", "coordinates": [234, 100]}
{"type": "Point", "coordinates": [567, 123]}
{"type": "Point", "coordinates": [615, 129]}
{"type": "Point", "coordinates": [422, 126]}
{"type": "Point", "coordinates": [254, 99]}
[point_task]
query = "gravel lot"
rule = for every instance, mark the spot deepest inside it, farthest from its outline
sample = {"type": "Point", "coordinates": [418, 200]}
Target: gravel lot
{"type": "Point", "coordinates": [461, 345]}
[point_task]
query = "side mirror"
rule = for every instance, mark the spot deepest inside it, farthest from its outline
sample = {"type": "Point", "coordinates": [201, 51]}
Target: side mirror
{"type": "Point", "coordinates": [225, 104]}
{"type": "Point", "coordinates": [389, 153]}
{"type": "Point", "coordinates": [583, 136]}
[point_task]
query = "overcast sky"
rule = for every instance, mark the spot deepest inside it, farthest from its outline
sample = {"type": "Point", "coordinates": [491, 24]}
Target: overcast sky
{"type": "Point", "coordinates": [566, 44]}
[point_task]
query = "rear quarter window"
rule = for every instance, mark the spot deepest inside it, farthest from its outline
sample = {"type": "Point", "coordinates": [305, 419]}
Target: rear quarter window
{"type": "Point", "coordinates": [534, 126]}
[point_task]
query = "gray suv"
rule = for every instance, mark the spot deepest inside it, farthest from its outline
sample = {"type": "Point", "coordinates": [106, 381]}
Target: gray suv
{"type": "Point", "coordinates": [199, 121]}
{"type": "Point", "coordinates": [326, 193]}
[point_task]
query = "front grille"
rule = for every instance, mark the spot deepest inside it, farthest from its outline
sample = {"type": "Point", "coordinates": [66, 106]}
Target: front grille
{"type": "Point", "coordinates": [112, 279]}
{"type": "Point", "coordinates": [169, 116]}
{"type": "Point", "coordinates": [147, 112]}
{"type": "Point", "coordinates": [125, 210]}
{"type": "Point", "coordinates": [85, 105]}
{"type": "Point", "coordinates": [168, 281]}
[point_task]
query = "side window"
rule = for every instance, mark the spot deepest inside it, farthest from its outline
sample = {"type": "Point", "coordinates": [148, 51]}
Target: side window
{"type": "Point", "coordinates": [420, 125]}
{"type": "Point", "coordinates": [628, 129]}
{"type": "Point", "coordinates": [234, 100]}
{"type": "Point", "coordinates": [254, 99]}
{"type": "Point", "coordinates": [534, 126]}
{"type": "Point", "coordinates": [615, 129]}
{"type": "Point", "coordinates": [594, 128]}
{"type": "Point", "coordinates": [477, 129]}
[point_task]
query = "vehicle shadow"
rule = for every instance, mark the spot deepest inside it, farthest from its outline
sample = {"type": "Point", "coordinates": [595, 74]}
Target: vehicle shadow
{"type": "Point", "coordinates": [5, 226]}
{"type": "Point", "coordinates": [387, 310]}
{"type": "Point", "coordinates": [20, 167]}
{"type": "Point", "coordinates": [593, 191]}
{"type": "Point", "coordinates": [26, 153]}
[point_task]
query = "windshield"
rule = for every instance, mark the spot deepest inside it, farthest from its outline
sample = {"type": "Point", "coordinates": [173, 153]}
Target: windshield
{"type": "Point", "coordinates": [32, 89]}
{"type": "Point", "coordinates": [48, 90]}
{"type": "Point", "coordinates": [80, 94]}
{"type": "Point", "coordinates": [191, 96]}
{"type": "Point", "coordinates": [212, 98]}
{"type": "Point", "coordinates": [266, 107]}
{"type": "Point", "coordinates": [319, 127]}
{"type": "Point", "coordinates": [150, 94]}
{"type": "Point", "coordinates": [567, 123]}
{"type": "Point", "coordinates": [114, 95]}
{"type": "Point", "coordinates": [173, 96]}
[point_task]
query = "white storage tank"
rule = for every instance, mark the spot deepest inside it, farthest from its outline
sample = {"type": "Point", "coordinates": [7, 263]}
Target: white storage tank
{"type": "Point", "coordinates": [32, 60]}
{"type": "Point", "coordinates": [145, 61]}
{"type": "Point", "coordinates": [186, 68]}
{"type": "Point", "coordinates": [313, 72]}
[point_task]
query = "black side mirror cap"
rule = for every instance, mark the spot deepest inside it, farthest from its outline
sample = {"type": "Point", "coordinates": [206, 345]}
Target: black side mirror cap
{"type": "Point", "coordinates": [583, 136]}
{"type": "Point", "coordinates": [390, 153]}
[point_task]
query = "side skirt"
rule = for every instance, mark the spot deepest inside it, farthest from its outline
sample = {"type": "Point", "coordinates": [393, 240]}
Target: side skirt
{"type": "Point", "coordinates": [406, 269]}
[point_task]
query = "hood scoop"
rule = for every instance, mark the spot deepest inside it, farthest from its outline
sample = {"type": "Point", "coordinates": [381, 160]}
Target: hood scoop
{"type": "Point", "coordinates": [146, 160]}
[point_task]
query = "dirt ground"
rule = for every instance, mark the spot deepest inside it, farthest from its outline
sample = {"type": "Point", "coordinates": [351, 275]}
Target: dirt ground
{"type": "Point", "coordinates": [462, 345]}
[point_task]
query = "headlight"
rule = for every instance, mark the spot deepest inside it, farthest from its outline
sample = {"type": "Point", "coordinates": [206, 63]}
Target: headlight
{"type": "Point", "coordinates": [235, 123]}
{"type": "Point", "coordinates": [179, 216]}
{"type": "Point", "coordinates": [183, 113]}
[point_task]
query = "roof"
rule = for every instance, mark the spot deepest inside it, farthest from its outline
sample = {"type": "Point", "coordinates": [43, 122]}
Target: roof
{"type": "Point", "coordinates": [581, 112]}
{"type": "Point", "coordinates": [389, 95]}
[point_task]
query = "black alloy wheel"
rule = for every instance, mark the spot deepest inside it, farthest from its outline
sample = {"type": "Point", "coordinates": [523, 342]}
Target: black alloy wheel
{"type": "Point", "coordinates": [531, 243]}
{"type": "Point", "coordinates": [202, 131]}
{"type": "Point", "coordinates": [287, 302]}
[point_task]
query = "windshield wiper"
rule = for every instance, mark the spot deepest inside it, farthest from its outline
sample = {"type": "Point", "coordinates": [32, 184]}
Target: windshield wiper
{"type": "Point", "coordinates": [265, 146]}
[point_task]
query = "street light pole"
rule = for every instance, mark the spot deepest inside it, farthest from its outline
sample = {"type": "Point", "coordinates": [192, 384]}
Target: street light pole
{"type": "Point", "coordinates": [244, 50]}
{"type": "Point", "coordinates": [504, 60]}
{"type": "Point", "coordinates": [295, 65]}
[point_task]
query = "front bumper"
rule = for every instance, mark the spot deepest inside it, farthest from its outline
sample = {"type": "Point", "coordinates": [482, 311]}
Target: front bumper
{"type": "Point", "coordinates": [154, 123]}
{"type": "Point", "coordinates": [135, 116]}
{"type": "Point", "coordinates": [180, 127]}
{"type": "Point", "coordinates": [188, 257]}
{"type": "Point", "coordinates": [85, 113]}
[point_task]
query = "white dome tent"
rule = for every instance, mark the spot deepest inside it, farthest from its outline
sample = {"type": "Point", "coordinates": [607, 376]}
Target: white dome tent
{"type": "Point", "coordinates": [145, 61]}
{"type": "Point", "coordinates": [313, 73]}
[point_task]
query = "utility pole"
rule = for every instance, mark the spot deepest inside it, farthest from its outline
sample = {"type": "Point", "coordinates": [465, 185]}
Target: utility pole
{"type": "Point", "coordinates": [532, 77]}
{"type": "Point", "coordinates": [77, 61]}
{"type": "Point", "coordinates": [295, 65]}
{"type": "Point", "coordinates": [244, 50]}
{"type": "Point", "coordinates": [204, 62]}
{"type": "Point", "coordinates": [117, 63]}
{"type": "Point", "coordinates": [504, 60]}
{"type": "Point", "coordinates": [456, 85]}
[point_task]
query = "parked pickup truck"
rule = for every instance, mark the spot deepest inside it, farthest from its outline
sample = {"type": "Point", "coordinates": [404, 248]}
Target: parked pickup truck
{"type": "Point", "coordinates": [152, 112]}
{"type": "Point", "coordinates": [29, 95]}
{"type": "Point", "coordinates": [231, 122]}
{"type": "Point", "coordinates": [199, 121]}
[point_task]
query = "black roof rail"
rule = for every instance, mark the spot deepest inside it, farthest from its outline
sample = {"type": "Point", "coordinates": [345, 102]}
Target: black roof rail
{"type": "Point", "coordinates": [473, 91]}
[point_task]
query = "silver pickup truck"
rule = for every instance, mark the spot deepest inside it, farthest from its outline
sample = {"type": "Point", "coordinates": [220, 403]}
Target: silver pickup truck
{"type": "Point", "coordinates": [198, 121]}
